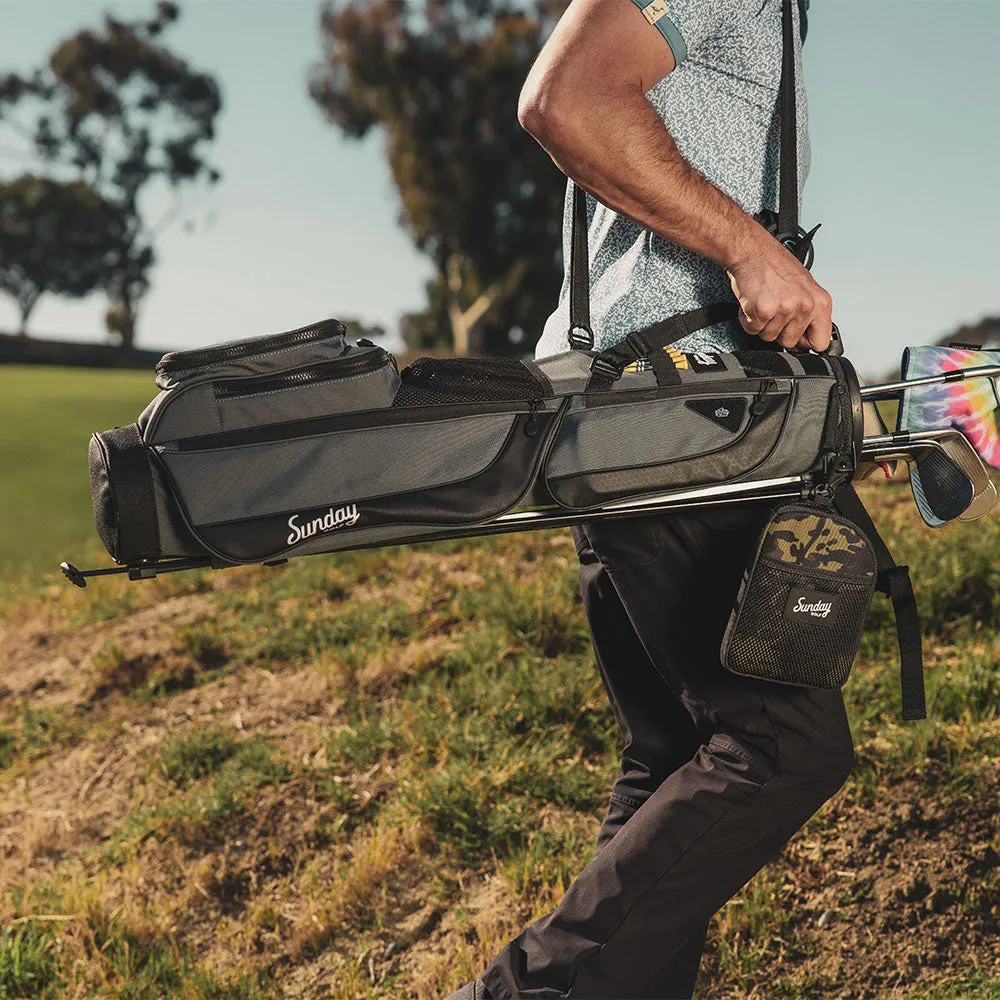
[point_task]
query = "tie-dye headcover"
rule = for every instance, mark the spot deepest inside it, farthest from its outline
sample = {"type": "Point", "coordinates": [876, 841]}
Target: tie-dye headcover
{"type": "Point", "coordinates": [971, 407]}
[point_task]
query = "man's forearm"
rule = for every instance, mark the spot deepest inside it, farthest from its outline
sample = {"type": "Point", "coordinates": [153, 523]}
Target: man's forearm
{"type": "Point", "coordinates": [584, 101]}
{"type": "Point", "coordinates": [617, 147]}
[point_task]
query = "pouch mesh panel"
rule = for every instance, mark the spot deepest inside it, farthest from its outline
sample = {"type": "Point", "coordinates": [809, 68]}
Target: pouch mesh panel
{"type": "Point", "coordinates": [806, 555]}
{"type": "Point", "coordinates": [767, 646]}
{"type": "Point", "coordinates": [431, 381]}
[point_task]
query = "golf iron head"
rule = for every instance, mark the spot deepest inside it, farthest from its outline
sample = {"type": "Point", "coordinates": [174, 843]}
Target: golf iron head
{"type": "Point", "coordinates": [949, 480]}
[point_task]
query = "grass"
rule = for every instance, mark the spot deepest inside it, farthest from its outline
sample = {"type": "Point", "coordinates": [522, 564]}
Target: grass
{"type": "Point", "coordinates": [47, 415]}
{"type": "Point", "coordinates": [976, 986]}
{"type": "Point", "coordinates": [457, 729]}
{"type": "Point", "coordinates": [29, 733]}
{"type": "Point", "coordinates": [28, 965]}
{"type": "Point", "coordinates": [215, 777]}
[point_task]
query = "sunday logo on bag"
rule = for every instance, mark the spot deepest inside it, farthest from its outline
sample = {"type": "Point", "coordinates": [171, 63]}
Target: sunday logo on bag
{"type": "Point", "coordinates": [811, 605]}
{"type": "Point", "coordinates": [340, 517]}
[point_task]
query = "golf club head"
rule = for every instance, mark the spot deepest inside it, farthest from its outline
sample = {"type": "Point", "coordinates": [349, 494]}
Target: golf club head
{"type": "Point", "coordinates": [950, 481]}
{"type": "Point", "coordinates": [985, 503]}
{"type": "Point", "coordinates": [940, 480]}
{"type": "Point", "coordinates": [958, 447]}
{"type": "Point", "coordinates": [942, 489]}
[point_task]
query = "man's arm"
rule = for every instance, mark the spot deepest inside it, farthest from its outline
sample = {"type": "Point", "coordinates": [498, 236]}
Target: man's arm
{"type": "Point", "coordinates": [584, 101]}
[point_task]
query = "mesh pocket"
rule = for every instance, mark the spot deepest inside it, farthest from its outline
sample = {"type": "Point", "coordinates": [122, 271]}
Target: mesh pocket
{"type": "Point", "coordinates": [763, 364]}
{"type": "Point", "coordinates": [802, 606]}
{"type": "Point", "coordinates": [813, 646]}
{"type": "Point", "coordinates": [430, 381]}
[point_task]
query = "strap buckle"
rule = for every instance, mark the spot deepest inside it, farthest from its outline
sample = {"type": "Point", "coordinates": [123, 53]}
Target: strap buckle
{"type": "Point", "coordinates": [581, 338]}
{"type": "Point", "coordinates": [607, 367]}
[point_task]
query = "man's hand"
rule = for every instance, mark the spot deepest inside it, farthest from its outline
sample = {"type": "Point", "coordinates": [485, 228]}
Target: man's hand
{"type": "Point", "coordinates": [779, 299]}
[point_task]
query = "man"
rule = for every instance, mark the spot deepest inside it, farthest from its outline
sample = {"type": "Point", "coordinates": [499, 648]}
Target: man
{"type": "Point", "coordinates": [668, 117]}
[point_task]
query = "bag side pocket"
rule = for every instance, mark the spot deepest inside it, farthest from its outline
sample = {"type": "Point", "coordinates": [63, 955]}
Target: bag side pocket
{"type": "Point", "coordinates": [801, 607]}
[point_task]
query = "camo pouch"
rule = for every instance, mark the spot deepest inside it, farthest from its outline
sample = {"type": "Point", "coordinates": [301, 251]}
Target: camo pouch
{"type": "Point", "coordinates": [802, 604]}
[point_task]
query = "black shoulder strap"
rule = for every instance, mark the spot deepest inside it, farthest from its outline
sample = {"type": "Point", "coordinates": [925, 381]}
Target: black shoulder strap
{"type": "Point", "coordinates": [894, 581]}
{"type": "Point", "coordinates": [788, 192]}
{"type": "Point", "coordinates": [581, 334]}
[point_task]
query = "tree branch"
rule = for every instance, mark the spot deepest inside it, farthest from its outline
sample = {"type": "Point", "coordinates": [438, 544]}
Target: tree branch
{"type": "Point", "coordinates": [462, 320]}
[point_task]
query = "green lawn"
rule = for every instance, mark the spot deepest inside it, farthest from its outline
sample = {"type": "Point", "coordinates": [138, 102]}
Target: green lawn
{"type": "Point", "coordinates": [46, 418]}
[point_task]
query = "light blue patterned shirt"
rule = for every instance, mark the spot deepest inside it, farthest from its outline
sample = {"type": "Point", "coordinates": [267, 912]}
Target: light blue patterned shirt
{"type": "Point", "coordinates": [721, 107]}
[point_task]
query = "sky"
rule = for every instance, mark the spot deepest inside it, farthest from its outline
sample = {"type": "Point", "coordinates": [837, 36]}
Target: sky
{"type": "Point", "coordinates": [904, 99]}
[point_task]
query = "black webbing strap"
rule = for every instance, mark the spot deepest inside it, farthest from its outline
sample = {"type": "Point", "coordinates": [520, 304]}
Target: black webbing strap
{"type": "Point", "coordinates": [131, 482]}
{"type": "Point", "coordinates": [608, 365]}
{"type": "Point", "coordinates": [664, 369]}
{"type": "Point", "coordinates": [894, 581]}
{"type": "Point", "coordinates": [788, 192]}
{"type": "Point", "coordinates": [581, 336]}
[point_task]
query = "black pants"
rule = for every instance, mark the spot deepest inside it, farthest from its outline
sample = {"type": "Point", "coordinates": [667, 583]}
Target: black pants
{"type": "Point", "coordinates": [717, 773]}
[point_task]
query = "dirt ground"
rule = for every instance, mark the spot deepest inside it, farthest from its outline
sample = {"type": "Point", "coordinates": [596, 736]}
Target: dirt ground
{"type": "Point", "coordinates": [894, 889]}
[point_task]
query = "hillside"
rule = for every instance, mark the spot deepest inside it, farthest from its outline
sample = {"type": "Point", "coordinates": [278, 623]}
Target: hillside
{"type": "Point", "coordinates": [358, 776]}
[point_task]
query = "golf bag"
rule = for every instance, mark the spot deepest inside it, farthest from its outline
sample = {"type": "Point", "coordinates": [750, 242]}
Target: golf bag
{"type": "Point", "coordinates": [301, 443]}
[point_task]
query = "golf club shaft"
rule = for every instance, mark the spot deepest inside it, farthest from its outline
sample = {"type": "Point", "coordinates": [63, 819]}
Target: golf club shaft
{"type": "Point", "coordinates": [887, 390]}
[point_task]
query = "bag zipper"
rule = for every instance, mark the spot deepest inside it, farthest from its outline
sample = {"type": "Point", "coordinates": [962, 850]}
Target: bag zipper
{"type": "Point", "coordinates": [362, 420]}
{"type": "Point", "coordinates": [531, 425]}
{"type": "Point", "coordinates": [722, 387]}
{"type": "Point", "coordinates": [759, 403]}
{"type": "Point", "coordinates": [339, 368]}
{"type": "Point", "coordinates": [178, 361]}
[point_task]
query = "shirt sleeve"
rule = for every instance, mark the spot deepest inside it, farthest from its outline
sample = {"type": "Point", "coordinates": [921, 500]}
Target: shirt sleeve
{"type": "Point", "coordinates": [684, 23]}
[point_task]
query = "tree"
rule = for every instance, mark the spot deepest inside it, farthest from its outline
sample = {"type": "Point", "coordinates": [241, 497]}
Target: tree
{"type": "Point", "coordinates": [117, 110]}
{"type": "Point", "coordinates": [54, 237]}
{"type": "Point", "coordinates": [360, 330]}
{"type": "Point", "coordinates": [985, 332]}
{"type": "Point", "coordinates": [478, 195]}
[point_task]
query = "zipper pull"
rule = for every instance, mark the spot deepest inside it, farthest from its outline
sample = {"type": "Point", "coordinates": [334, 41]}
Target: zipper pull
{"type": "Point", "coordinates": [759, 401]}
{"type": "Point", "coordinates": [365, 342]}
{"type": "Point", "coordinates": [531, 427]}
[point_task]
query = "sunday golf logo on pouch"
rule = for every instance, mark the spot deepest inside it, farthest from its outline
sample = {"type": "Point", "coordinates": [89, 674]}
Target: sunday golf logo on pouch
{"type": "Point", "coordinates": [811, 604]}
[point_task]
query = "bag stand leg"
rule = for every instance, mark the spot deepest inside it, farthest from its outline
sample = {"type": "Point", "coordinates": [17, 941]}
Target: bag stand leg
{"type": "Point", "coordinates": [143, 571]}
